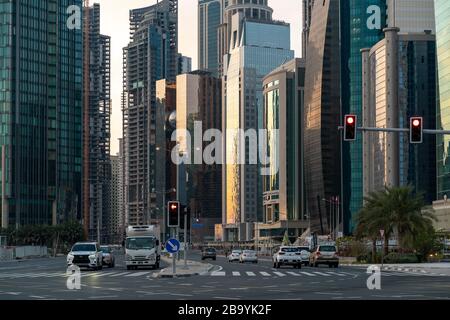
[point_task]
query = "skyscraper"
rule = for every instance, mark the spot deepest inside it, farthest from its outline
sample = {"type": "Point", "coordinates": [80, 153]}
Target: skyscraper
{"type": "Point", "coordinates": [210, 17]}
{"type": "Point", "coordinates": [99, 127]}
{"type": "Point", "coordinates": [399, 83]}
{"type": "Point", "coordinates": [283, 189]}
{"type": "Point", "coordinates": [306, 14]}
{"type": "Point", "coordinates": [322, 114]}
{"type": "Point", "coordinates": [199, 100]}
{"type": "Point", "coordinates": [442, 9]}
{"type": "Point", "coordinates": [40, 112]}
{"type": "Point", "coordinates": [151, 55]}
{"type": "Point", "coordinates": [184, 64]}
{"type": "Point", "coordinates": [257, 46]}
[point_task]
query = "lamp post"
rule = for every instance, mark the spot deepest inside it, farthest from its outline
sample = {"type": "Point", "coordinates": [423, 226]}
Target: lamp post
{"type": "Point", "coordinates": [334, 211]}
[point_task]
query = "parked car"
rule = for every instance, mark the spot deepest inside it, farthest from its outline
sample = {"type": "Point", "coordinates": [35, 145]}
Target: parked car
{"type": "Point", "coordinates": [324, 254]}
{"type": "Point", "coordinates": [287, 255]}
{"type": "Point", "coordinates": [209, 253]}
{"type": "Point", "coordinates": [234, 255]}
{"type": "Point", "coordinates": [305, 253]}
{"type": "Point", "coordinates": [87, 255]}
{"type": "Point", "coordinates": [248, 256]}
{"type": "Point", "coordinates": [108, 256]}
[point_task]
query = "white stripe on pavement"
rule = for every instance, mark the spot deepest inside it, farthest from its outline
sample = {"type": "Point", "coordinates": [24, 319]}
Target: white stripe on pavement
{"type": "Point", "coordinates": [322, 274]}
{"type": "Point", "coordinates": [218, 274]}
{"type": "Point", "coordinates": [308, 274]}
{"type": "Point", "coordinates": [251, 274]}
{"type": "Point", "coordinates": [337, 273]}
{"type": "Point", "coordinates": [265, 274]}
{"type": "Point", "coordinates": [120, 274]}
{"type": "Point", "coordinates": [137, 274]}
{"type": "Point", "coordinates": [104, 274]}
{"type": "Point", "coordinates": [236, 274]}
{"type": "Point", "coordinates": [293, 274]}
{"type": "Point", "coordinates": [279, 274]}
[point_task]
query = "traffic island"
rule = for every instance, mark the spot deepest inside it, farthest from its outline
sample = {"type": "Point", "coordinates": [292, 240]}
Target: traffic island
{"type": "Point", "coordinates": [193, 269]}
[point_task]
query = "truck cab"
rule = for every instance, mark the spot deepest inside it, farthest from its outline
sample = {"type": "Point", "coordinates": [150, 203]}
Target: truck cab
{"type": "Point", "coordinates": [142, 247]}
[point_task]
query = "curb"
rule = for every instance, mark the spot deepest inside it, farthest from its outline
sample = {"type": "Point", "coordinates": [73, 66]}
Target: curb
{"type": "Point", "coordinates": [187, 275]}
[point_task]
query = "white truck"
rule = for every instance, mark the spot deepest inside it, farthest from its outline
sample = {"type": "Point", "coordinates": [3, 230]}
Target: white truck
{"type": "Point", "coordinates": [142, 247]}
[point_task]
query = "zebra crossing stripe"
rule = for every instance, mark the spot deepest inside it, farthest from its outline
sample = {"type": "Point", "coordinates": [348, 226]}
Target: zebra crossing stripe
{"type": "Point", "coordinates": [104, 274]}
{"type": "Point", "coordinates": [218, 274]}
{"type": "Point", "coordinates": [265, 274]}
{"type": "Point", "coordinates": [120, 274]}
{"type": "Point", "coordinates": [279, 274]}
{"type": "Point", "coordinates": [294, 274]}
{"type": "Point", "coordinates": [137, 274]}
{"type": "Point", "coordinates": [236, 274]}
{"type": "Point", "coordinates": [308, 274]}
{"type": "Point", "coordinates": [337, 274]}
{"type": "Point", "coordinates": [251, 274]}
{"type": "Point", "coordinates": [322, 274]}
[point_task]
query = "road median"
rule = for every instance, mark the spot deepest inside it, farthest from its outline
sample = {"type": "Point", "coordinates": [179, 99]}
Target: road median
{"type": "Point", "coordinates": [193, 269]}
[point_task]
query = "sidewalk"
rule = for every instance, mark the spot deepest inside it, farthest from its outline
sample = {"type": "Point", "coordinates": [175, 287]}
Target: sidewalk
{"type": "Point", "coordinates": [194, 269]}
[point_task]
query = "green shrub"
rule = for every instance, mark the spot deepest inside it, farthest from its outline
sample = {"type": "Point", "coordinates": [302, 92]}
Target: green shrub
{"type": "Point", "coordinates": [394, 257]}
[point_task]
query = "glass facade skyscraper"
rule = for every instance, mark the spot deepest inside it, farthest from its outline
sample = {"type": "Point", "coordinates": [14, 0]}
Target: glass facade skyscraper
{"type": "Point", "coordinates": [442, 9]}
{"type": "Point", "coordinates": [41, 70]}
{"type": "Point", "coordinates": [356, 35]}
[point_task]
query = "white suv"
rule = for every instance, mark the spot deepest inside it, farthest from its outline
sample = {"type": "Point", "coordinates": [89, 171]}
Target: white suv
{"type": "Point", "coordinates": [86, 254]}
{"type": "Point", "coordinates": [287, 256]}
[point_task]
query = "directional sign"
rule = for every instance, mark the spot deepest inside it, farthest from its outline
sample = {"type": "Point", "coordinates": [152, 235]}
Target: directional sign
{"type": "Point", "coordinates": [173, 246]}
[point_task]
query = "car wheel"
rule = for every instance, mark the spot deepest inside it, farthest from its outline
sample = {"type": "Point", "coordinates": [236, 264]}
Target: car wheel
{"type": "Point", "coordinates": [100, 267]}
{"type": "Point", "coordinates": [330, 265]}
{"type": "Point", "coordinates": [128, 268]}
{"type": "Point", "coordinates": [274, 265]}
{"type": "Point", "coordinates": [299, 265]}
{"type": "Point", "coordinates": [278, 265]}
{"type": "Point", "coordinates": [316, 265]}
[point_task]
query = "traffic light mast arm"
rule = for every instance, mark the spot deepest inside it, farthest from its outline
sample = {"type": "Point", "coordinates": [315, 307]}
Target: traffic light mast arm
{"type": "Point", "coordinates": [370, 129]}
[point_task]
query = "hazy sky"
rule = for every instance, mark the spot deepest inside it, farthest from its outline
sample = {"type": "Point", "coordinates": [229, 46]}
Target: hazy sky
{"type": "Point", "coordinates": [114, 22]}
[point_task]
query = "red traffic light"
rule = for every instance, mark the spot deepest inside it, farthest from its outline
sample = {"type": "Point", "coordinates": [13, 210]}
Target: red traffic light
{"type": "Point", "coordinates": [173, 214]}
{"type": "Point", "coordinates": [416, 130]}
{"type": "Point", "coordinates": [350, 122]}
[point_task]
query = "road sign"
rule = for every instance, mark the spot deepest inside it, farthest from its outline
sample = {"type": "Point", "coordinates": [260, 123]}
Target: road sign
{"type": "Point", "coordinates": [382, 233]}
{"type": "Point", "coordinates": [173, 246]}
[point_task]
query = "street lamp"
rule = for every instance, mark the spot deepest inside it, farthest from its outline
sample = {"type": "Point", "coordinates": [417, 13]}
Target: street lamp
{"type": "Point", "coordinates": [334, 213]}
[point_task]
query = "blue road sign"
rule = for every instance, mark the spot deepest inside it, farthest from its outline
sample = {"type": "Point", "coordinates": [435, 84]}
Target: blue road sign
{"type": "Point", "coordinates": [173, 246]}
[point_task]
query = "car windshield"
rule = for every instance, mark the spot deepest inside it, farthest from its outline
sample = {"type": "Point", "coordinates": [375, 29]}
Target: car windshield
{"type": "Point", "coordinates": [210, 250]}
{"type": "Point", "coordinates": [327, 248]}
{"type": "Point", "coordinates": [84, 247]}
{"type": "Point", "coordinates": [289, 249]}
{"type": "Point", "coordinates": [105, 249]}
{"type": "Point", "coordinates": [140, 243]}
{"type": "Point", "coordinates": [237, 252]}
{"type": "Point", "coordinates": [303, 249]}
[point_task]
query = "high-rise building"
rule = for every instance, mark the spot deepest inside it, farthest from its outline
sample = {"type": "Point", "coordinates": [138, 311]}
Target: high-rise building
{"type": "Point", "coordinates": [151, 55]}
{"type": "Point", "coordinates": [257, 46]}
{"type": "Point", "coordinates": [442, 9]}
{"type": "Point", "coordinates": [199, 101]}
{"type": "Point", "coordinates": [283, 189]}
{"type": "Point", "coordinates": [399, 83]}
{"type": "Point", "coordinates": [306, 18]}
{"type": "Point", "coordinates": [41, 70]}
{"type": "Point", "coordinates": [322, 114]}
{"type": "Point", "coordinates": [210, 17]}
{"type": "Point", "coordinates": [99, 127]}
{"type": "Point", "coordinates": [116, 227]}
{"type": "Point", "coordinates": [362, 23]}
{"type": "Point", "coordinates": [255, 9]}
{"type": "Point", "coordinates": [411, 16]}
{"type": "Point", "coordinates": [184, 64]}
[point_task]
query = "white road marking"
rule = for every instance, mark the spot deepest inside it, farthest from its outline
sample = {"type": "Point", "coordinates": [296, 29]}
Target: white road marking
{"type": "Point", "coordinates": [308, 274]}
{"type": "Point", "coordinates": [137, 274]}
{"type": "Point", "coordinates": [322, 274]}
{"type": "Point", "coordinates": [279, 274]}
{"type": "Point", "coordinates": [236, 274]}
{"type": "Point", "coordinates": [218, 274]}
{"type": "Point", "coordinates": [251, 274]}
{"type": "Point", "coordinates": [294, 274]}
{"type": "Point", "coordinates": [265, 274]}
{"type": "Point", "coordinates": [337, 274]}
{"type": "Point", "coordinates": [120, 274]}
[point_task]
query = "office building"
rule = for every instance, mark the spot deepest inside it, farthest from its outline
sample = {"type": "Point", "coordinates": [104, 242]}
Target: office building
{"type": "Point", "coordinates": [399, 73]}
{"type": "Point", "coordinates": [306, 18]}
{"type": "Point", "coordinates": [283, 190]}
{"type": "Point", "coordinates": [210, 17]}
{"type": "Point", "coordinates": [322, 114]}
{"type": "Point", "coordinates": [442, 10]}
{"type": "Point", "coordinates": [411, 16]}
{"type": "Point", "coordinates": [265, 46]}
{"type": "Point", "coordinates": [41, 113]}
{"type": "Point", "coordinates": [184, 64]}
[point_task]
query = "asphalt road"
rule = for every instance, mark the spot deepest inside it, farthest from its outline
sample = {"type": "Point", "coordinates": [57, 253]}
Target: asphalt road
{"type": "Point", "coordinates": [45, 279]}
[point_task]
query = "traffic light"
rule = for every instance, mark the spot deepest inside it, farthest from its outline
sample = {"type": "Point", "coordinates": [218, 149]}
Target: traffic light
{"type": "Point", "coordinates": [350, 127]}
{"type": "Point", "coordinates": [173, 207]}
{"type": "Point", "coordinates": [416, 130]}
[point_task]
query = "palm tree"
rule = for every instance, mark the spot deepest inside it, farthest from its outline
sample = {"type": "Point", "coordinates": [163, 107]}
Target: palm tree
{"type": "Point", "coordinates": [394, 209]}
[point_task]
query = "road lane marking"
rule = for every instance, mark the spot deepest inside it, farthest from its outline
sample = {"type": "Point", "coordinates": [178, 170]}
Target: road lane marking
{"type": "Point", "coordinates": [251, 274]}
{"type": "Point", "coordinates": [265, 274]}
{"type": "Point", "coordinates": [308, 274]}
{"type": "Point", "coordinates": [137, 274]}
{"type": "Point", "coordinates": [104, 274]}
{"type": "Point", "coordinates": [236, 274]}
{"type": "Point", "coordinates": [293, 274]}
{"type": "Point", "coordinates": [279, 274]}
{"type": "Point", "coordinates": [120, 274]}
{"type": "Point", "coordinates": [322, 274]}
{"type": "Point", "coordinates": [337, 273]}
{"type": "Point", "coordinates": [218, 274]}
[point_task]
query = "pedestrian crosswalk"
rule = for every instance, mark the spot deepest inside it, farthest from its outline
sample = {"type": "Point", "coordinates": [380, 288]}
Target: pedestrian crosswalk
{"type": "Point", "coordinates": [86, 275]}
{"type": "Point", "coordinates": [277, 274]}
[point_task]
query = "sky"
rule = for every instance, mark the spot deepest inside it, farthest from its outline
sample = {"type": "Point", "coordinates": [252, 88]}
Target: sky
{"type": "Point", "coordinates": [114, 22]}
